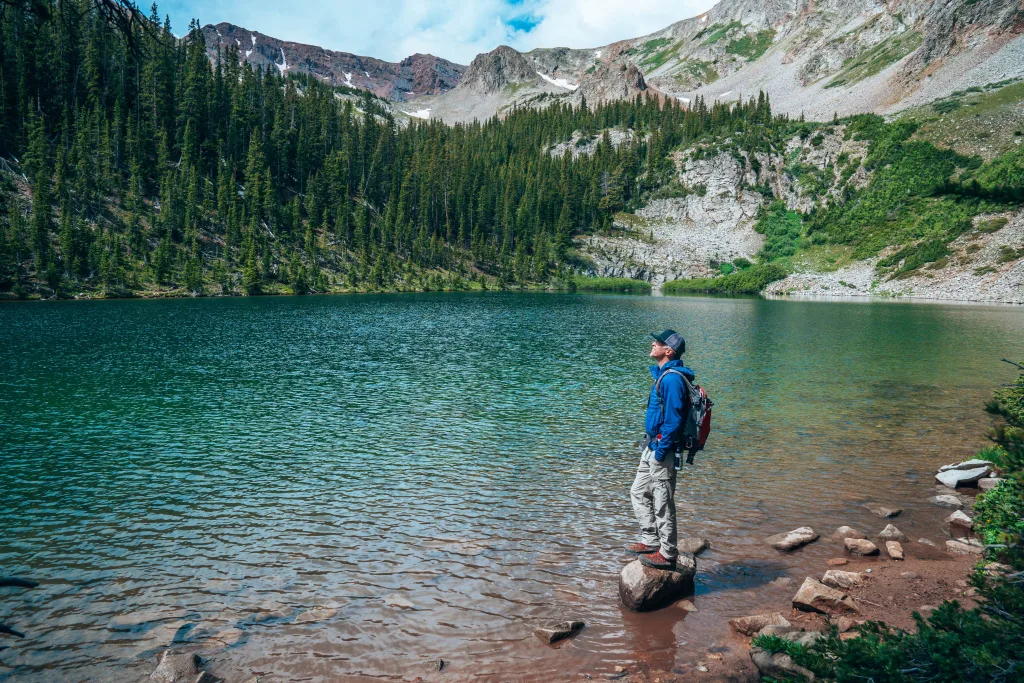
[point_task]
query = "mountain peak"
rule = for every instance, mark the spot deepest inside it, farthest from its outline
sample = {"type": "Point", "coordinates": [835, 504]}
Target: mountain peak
{"type": "Point", "coordinates": [492, 71]}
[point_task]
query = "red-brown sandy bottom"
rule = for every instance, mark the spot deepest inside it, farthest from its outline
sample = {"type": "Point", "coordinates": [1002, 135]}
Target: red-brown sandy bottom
{"type": "Point", "coordinates": [895, 590]}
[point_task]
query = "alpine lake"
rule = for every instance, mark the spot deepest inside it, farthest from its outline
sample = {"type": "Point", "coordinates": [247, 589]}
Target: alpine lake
{"type": "Point", "coordinates": [336, 488]}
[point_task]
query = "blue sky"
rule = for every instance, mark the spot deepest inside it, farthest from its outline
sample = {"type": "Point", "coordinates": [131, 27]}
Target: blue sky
{"type": "Point", "coordinates": [394, 29]}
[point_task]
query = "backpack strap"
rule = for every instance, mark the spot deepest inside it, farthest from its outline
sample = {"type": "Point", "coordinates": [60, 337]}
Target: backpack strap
{"type": "Point", "coordinates": [657, 387]}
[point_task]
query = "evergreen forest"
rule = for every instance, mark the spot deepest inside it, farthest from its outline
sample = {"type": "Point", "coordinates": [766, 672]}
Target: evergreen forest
{"type": "Point", "coordinates": [139, 166]}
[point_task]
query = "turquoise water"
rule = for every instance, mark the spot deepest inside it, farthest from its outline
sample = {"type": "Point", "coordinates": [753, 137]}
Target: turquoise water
{"type": "Point", "coordinates": [324, 487]}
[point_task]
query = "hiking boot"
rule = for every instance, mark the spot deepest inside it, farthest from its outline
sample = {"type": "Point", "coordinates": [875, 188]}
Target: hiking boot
{"type": "Point", "coordinates": [641, 548]}
{"type": "Point", "coordinates": [657, 561]}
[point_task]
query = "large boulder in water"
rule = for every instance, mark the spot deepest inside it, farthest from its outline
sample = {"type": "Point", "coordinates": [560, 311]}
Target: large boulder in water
{"type": "Point", "coordinates": [642, 589]}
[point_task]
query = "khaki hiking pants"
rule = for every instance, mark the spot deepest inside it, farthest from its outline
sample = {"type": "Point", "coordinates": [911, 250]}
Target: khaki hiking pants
{"type": "Point", "coordinates": [654, 502]}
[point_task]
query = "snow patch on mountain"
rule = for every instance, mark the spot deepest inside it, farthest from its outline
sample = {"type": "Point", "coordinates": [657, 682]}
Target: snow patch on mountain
{"type": "Point", "coordinates": [421, 114]}
{"type": "Point", "coordinates": [560, 82]}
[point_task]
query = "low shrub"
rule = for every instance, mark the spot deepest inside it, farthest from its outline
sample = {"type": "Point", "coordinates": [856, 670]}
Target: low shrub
{"type": "Point", "coordinates": [750, 281]}
{"type": "Point", "coordinates": [611, 284]}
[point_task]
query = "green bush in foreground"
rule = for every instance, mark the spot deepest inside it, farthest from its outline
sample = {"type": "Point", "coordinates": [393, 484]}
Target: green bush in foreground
{"type": "Point", "coordinates": [750, 281]}
{"type": "Point", "coordinates": [953, 644]}
{"type": "Point", "coordinates": [611, 284]}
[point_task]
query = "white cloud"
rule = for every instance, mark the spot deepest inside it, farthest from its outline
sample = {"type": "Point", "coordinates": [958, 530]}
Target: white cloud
{"type": "Point", "coordinates": [395, 29]}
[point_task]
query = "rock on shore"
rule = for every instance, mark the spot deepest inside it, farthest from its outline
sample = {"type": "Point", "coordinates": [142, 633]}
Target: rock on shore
{"type": "Point", "coordinates": [860, 546]}
{"type": "Point", "coordinates": [642, 589]}
{"type": "Point", "coordinates": [961, 520]}
{"type": "Point", "coordinates": [963, 473]}
{"type": "Point", "coordinates": [841, 580]}
{"type": "Point", "coordinates": [814, 596]}
{"type": "Point", "coordinates": [947, 501]}
{"type": "Point", "coordinates": [749, 626]}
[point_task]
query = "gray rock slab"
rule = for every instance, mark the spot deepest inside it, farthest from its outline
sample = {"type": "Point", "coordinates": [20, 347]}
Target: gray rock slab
{"type": "Point", "coordinates": [791, 540]}
{"type": "Point", "coordinates": [947, 501]}
{"type": "Point", "coordinates": [989, 483]}
{"type": "Point", "coordinates": [955, 478]}
{"type": "Point", "coordinates": [642, 589]}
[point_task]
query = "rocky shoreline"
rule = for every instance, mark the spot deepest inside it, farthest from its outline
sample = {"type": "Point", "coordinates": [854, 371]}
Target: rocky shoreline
{"type": "Point", "coordinates": [912, 576]}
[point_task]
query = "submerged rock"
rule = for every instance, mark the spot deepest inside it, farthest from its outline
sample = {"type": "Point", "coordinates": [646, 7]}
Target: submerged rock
{"type": "Point", "coordinates": [946, 501]}
{"type": "Point", "coordinates": [748, 626]}
{"type": "Point", "coordinates": [891, 533]}
{"type": "Point", "coordinates": [886, 510]}
{"type": "Point", "coordinates": [642, 589]}
{"type": "Point", "coordinates": [961, 520]}
{"type": "Point", "coordinates": [894, 549]}
{"type": "Point", "coordinates": [841, 580]}
{"type": "Point", "coordinates": [694, 546]}
{"type": "Point", "coordinates": [552, 633]}
{"type": "Point", "coordinates": [814, 596]}
{"type": "Point", "coordinates": [955, 478]}
{"type": "Point", "coordinates": [176, 667]}
{"type": "Point", "coordinates": [791, 540]}
{"type": "Point", "coordinates": [844, 532]}
{"type": "Point", "coordinates": [860, 546]}
{"type": "Point", "coordinates": [838, 562]}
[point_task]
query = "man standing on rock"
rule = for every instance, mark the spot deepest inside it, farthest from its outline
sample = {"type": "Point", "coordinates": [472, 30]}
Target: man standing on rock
{"type": "Point", "coordinates": [653, 490]}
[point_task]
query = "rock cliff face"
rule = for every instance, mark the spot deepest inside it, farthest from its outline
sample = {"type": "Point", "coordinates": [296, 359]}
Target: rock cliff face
{"type": "Point", "coordinates": [711, 221]}
{"type": "Point", "coordinates": [413, 77]}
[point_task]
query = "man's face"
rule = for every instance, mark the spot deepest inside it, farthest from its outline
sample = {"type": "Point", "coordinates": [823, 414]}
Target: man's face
{"type": "Point", "coordinates": [660, 351]}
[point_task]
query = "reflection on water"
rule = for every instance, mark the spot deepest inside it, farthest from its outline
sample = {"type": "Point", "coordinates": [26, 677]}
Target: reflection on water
{"type": "Point", "coordinates": [352, 486]}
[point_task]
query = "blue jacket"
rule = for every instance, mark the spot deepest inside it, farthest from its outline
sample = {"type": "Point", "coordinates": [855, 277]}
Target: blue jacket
{"type": "Point", "coordinates": [668, 423]}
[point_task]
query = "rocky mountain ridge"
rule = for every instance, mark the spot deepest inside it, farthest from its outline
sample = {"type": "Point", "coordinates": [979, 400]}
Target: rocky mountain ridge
{"type": "Point", "coordinates": [413, 77]}
{"type": "Point", "coordinates": [813, 57]}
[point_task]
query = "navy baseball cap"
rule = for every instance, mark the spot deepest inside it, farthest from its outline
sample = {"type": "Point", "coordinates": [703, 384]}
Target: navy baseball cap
{"type": "Point", "coordinates": [671, 339]}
